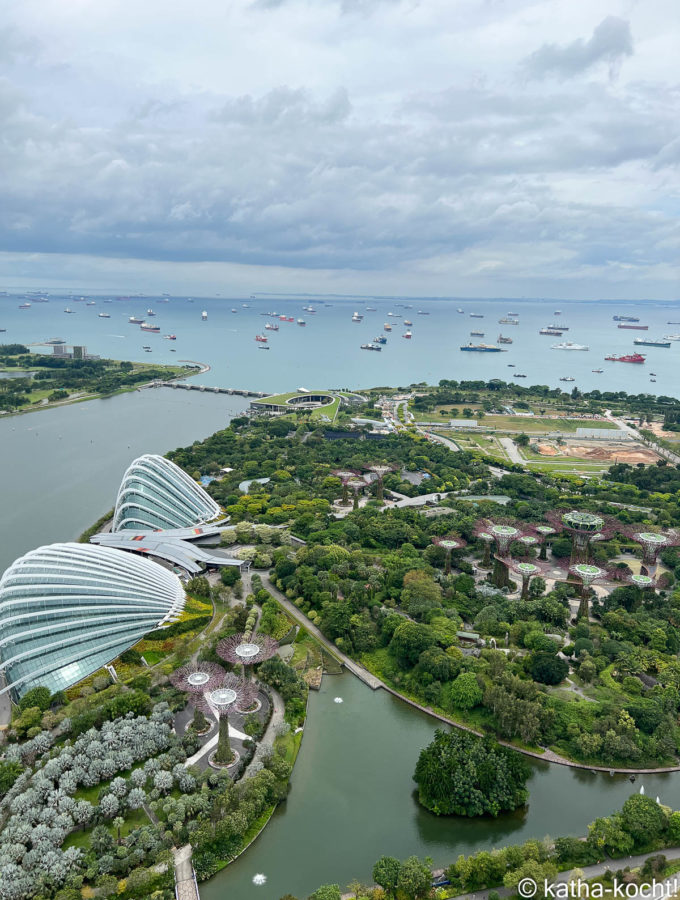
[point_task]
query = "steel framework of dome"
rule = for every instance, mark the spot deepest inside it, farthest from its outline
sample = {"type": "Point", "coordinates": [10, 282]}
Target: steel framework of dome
{"type": "Point", "coordinates": [68, 609]}
{"type": "Point", "coordinates": [155, 494]}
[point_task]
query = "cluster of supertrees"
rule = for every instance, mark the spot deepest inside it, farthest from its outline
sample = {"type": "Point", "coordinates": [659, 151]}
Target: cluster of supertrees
{"type": "Point", "coordinates": [351, 480]}
{"type": "Point", "coordinates": [584, 529]}
{"type": "Point", "coordinates": [215, 692]}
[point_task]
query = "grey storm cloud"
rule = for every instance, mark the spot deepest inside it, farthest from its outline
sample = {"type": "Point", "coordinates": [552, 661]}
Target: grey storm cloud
{"type": "Point", "coordinates": [305, 172]}
{"type": "Point", "coordinates": [610, 42]}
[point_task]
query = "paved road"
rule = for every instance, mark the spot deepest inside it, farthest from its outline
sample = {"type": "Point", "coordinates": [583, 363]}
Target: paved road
{"type": "Point", "coordinates": [511, 449]}
{"type": "Point", "coordinates": [354, 667]}
{"type": "Point", "coordinates": [665, 454]}
{"type": "Point", "coordinates": [440, 439]}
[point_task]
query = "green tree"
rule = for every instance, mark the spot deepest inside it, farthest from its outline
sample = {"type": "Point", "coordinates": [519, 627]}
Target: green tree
{"type": "Point", "coordinates": [326, 892]}
{"type": "Point", "coordinates": [37, 696]}
{"type": "Point", "coordinates": [643, 819]}
{"type": "Point", "coordinates": [386, 873]}
{"type": "Point", "coordinates": [460, 774]}
{"type": "Point", "coordinates": [464, 692]}
{"type": "Point", "coordinates": [409, 641]}
{"type": "Point", "coordinates": [415, 878]}
{"type": "Point", "coordinates": [547, 668]}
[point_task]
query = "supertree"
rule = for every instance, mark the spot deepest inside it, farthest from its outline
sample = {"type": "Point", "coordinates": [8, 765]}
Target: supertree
{"type": "Point", "coordinates": [380, 469]}
{"type": "Point", "coordinates": [449, 543]}
{"type": "Point", "coordinates": [357, 485]}
{"type": "Point", "coordinates": [503, 535]}
{"type": "Point", "coordinates": [544, 532]}
{"type": "Point", "coordinates": [229, 693]}
{"type": "Point", "coordinates": [644, 582]}
{"type": "Point", "coordinates": [195, 678]}
{"type": "Point", "coordinates": [652, 543]}
{"type": "Point", "coordinates": [345, 476]}
{"type": "Point", "coordinates": [584, 528]}
{"type": "Point", "coordinates": [526, 571]}
{"type": "Point", "coordinates": [487, 540]}
{"type": "Point", "coordinates": [586, 576]}
{"type": "Point", "coordinates": [247, 651]}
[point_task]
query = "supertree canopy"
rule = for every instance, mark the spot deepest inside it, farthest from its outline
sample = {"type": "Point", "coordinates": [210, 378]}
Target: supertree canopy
{"type": "Point", "coordinates": [345, 476]}
{"type": "Point", "coordinates": [503, 535]}
{"type": "Point", "coordinates": [652, 543]}
{"type": "Point", "coordinates": [488, 540]}
{"type": "Point", "coordinates": [247, 651]}
{"type": "Point", "coordinates": [584, 528]}
{"type": "Point", "coordinates": [449, 543]}
{"type": "Point", "coordinates": [197, 677]}
{"type": "Point", "coordinates": [380, 469]}
{"type": "Point", "coordinates": [644, 582]}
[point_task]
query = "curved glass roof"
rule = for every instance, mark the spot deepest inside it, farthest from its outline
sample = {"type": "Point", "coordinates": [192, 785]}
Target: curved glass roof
{"type": "Point", "coordinates": [67, 609]}
{"type": "Point", "coordinates": [156, 494]}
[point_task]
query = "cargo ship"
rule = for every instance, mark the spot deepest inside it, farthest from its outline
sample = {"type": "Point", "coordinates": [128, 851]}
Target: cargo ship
{"type": "Point", "coordinates": [627, 358]}
{"type": "Point", "coordinates": [625, 318]}
{"type": "Point", "coordinates": [301, 322]}
{"type": "Point", "coordinates": [569, 345]}
{"type": "Point", "coordinates": [557, 327]}
{"type": "Point", "coordinates": [551, 331]}
{"type": "Point", "coordinates": [204, 316]}
{"type": "Point", "coordinates": [407, 335]}
{"type": "Point", "coordinates": [261, 338]}
{"type": "Point", "coordinates": [634, 327]}
{"type": "Point", "coordinates": [387, 327]}
{"type": "Point", "coordinates": [133, 320]}
{"type": "Point", "coordinates": [481, 348]}
{"type": "Point", "coordinates": [149, 312]}
{"type": "Point", "coordinates": [24, 306]}
{"type": "Point", "coordinates": [507, 320]}
{"type": "Point", "coordinates": [170, 337]}
{"type": "Point", "coordinates": [381, 339]}
{"type": "Point", "coordinates": [155, 329]}
{"type": "Point", "coordinates": [272, 326]}
{"type": "Point", "coordinates": [501, 339]}
{"type": "Point", "coordinates": [424, 312]}
{"type": "Point", "coordinates": [371, 347]}
{"type": "Point", "coordinates": [104, 315]}
{"type": "Point", "coordinates": [286, 319]}
{"type": "Point", "coordinates": [357, 317]}
{"type": "Point", "coordinates": [476, 334]}
{"type": "Point", "coordinates": [476, 315]}
{"type": "Point", "coordinates": [646, 342]}
{"type": "Point", "coordinates": [408, 322]}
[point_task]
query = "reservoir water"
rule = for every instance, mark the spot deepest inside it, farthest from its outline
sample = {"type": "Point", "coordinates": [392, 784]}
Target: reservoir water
{"type": "Point", "coordinates": [326, 352]}
{"type": "Point", "coordinates": [352, 800]}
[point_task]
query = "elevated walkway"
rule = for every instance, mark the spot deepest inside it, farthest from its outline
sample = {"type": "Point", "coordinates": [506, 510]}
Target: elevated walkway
{"type": "Point", "coordinates": [175, 550]}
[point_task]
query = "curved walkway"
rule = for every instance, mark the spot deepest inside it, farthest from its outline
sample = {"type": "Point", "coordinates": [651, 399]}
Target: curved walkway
{"type": "Point", "coordinates": [374, 683]}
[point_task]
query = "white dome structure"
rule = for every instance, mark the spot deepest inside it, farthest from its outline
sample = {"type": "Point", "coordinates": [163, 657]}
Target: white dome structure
{"type": "Point", "coordinates": [156, 494]}
{"type": "Point", "coordinates": [68, 609]}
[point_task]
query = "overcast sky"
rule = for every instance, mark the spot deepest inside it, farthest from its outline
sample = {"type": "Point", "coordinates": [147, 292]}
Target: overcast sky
{"type": "Point", "coordinates": [441, 147]}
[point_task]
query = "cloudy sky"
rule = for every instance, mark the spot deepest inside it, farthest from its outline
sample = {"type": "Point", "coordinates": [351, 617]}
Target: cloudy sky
{"type": "Point", "coordinates": [422, 147]}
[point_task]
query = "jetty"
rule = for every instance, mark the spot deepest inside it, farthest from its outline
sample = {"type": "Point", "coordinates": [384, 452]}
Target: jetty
{"type": "Point", "coordinates": [207, 388]}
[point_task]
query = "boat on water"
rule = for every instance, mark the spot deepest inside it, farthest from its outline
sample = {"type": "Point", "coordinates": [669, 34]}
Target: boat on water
{"type": "Point", "coordinates": [153, 329]}
{"type": "Point", "coordinates": [557, 327]}
{"type": "Point", "coordinates": [381, 339]}
{"type": "Point", "coordinates": [476, 315]}
{"type": "Point", "coordinates": [508, 320]}
{"type": "Point", "coordinates": [394, 315]}
{"type": "Point", "coordinates": [262, 347]}
{"type": "Point", "coordinates": [371, 309]}
{"type": "Point", "coordinates": [407, 335]}
{"type": "Point", "coordinates": [647, 342]}
{"type": "Point", "coordinates": [24, 306]}
{"type": "Point", "coordinates": [476, 334]}
{"type": "Point", "coordinates": [170, 337]}
{"type": "Point", "coordinates": [459, 310]}
{"type": "Point", "coordinates": [301, 322]}
{"type": "Point", "coordinates": [371, 347]}
{"type": "Point", "coordinates": [104, 315]}
{"type": "Point", "coordinates": [234, 310]}
{"type": "Point", "coordinates": [261, 338]}
{"type": "Point", "coordinates": [172, 350]}
{"type": "Point", "coordinates": [133, 320]}
{"type": "Point", "coordinates": [567, 378]}
{"type": "Point", "coordinates": [551, 331]}
{"type": "Point", "coordinates": [286, 319]}
{"type": "Point", "coordinates": [68, 310]}
{"type": "Point", "coordinates": [569, 345]}
{"type": "Point", "coordinates": [627, 358]}
{"type": "Point", "coordinates": [501, 339]}
{"type": "Point", "coordinates": [146, 347]}
{"type": "Point", "coordinates": [513, 315]}
{"type": "Point", "coordinates": [357, 317]}
{"type": "Point", "coordinates": [511, 365]}
{"type": "Point", "coordinates": [671, 337]}
{"type": "Point", "coordinates": [204, 316]}
{"type": "Point", "coordinates": [147, 350]}
{"type": "Point", "coordinates": [653, 374]}
{"type": "Point", "coordinates": [272, 326]}
{"type": "Point", "coordinates": [408, 322]}
{"type": "Point", "coordinates": [653, 379]}
{"type": "Point", "coordinates": [558, 312]}
{"type": "Point", "coordinates": [91, 303]}
{"type": "Point", "coordinates": [309, 309]}
{"type": "Point", "coordinates": [150, 312]}
{"type": "Point", "coordinates": [625, 318]}
{"type": "Point", "coordinates": [424, 312]}
{"type": "Point", "coordinates": [387, 327]}
{"type": "Point", "coordinates": [481, 348]}
{"type": "Point", "coordinates": [518, 375]}
{"type": "Point", "coordinates": [598, 371]}
{"type": "Point", "coordinates": [633, 327]}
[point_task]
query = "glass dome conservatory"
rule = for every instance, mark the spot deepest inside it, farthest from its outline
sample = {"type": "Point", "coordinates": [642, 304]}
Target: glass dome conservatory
{"type": "Point", "coordinates": [156, 494]}
{"type": "Point", "coordinates": [68, 609]}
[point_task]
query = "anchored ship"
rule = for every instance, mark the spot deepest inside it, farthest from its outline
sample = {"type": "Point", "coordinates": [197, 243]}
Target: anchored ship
{"type": "Point", "coordinates": [569, 345]}
{"type": "Point", "coordinates": [145, 326]}
{"type": "Point", "coordinates": [625, 318]}
{"type": "Point", "coordinates": [503, 340]}
{"type": "Point", "coordinates": [646, 342]}
{"type": "Point", "coordinates": [371, 347]}
{"type": "Point", "coordinates": [634, 327]}
{"type": "Point", "coordinates": [481, 348]}
{"type": "Point", "coordinates": [627, 358]}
